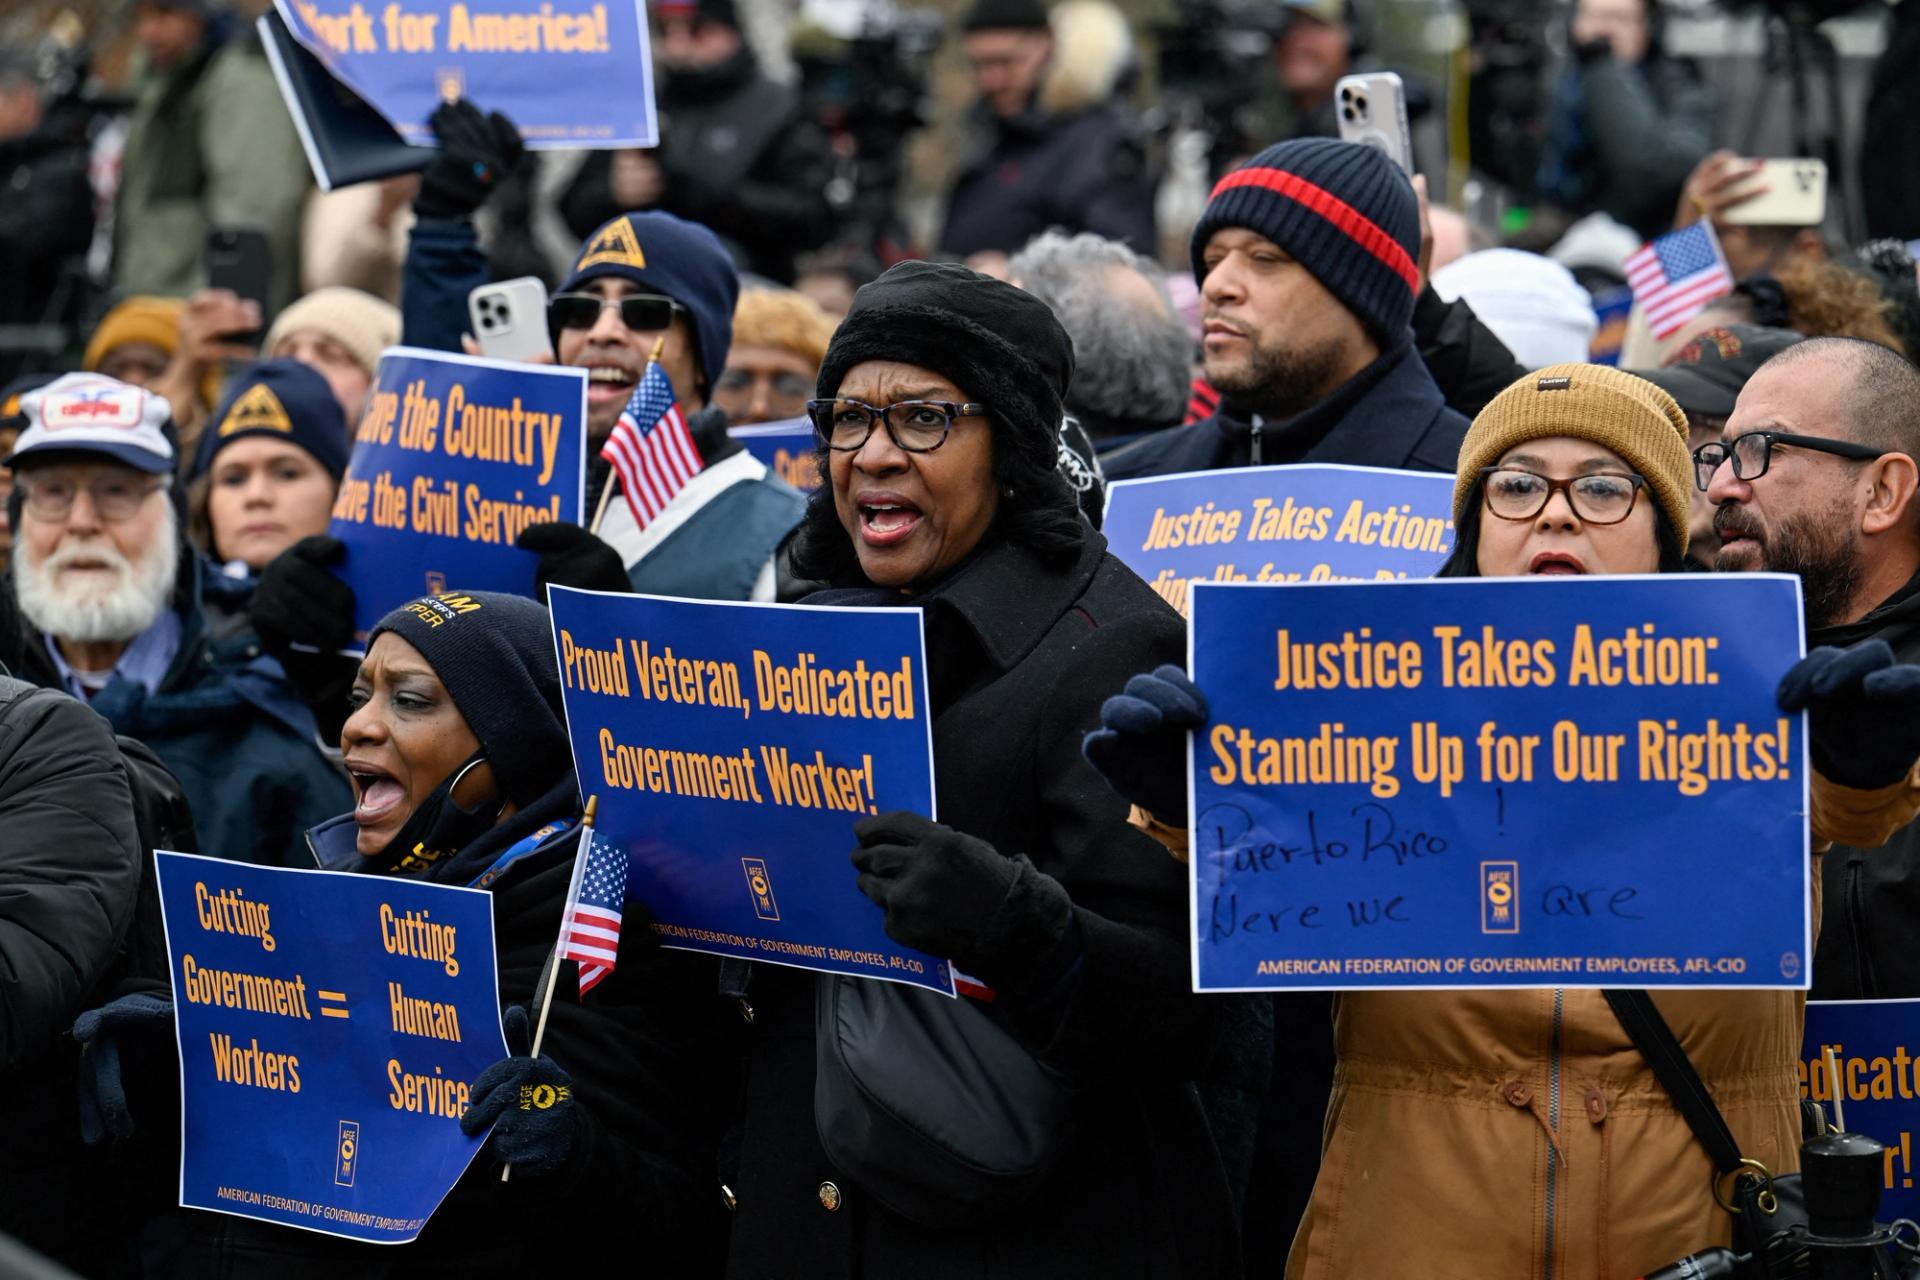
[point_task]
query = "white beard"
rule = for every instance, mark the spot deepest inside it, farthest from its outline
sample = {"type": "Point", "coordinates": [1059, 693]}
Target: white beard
{"type": "Point", "coordinates": [93, 612]}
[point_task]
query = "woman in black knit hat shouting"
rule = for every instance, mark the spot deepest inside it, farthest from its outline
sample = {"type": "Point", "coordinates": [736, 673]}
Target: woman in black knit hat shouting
{"type": "Point", "coordinates": [939, 426]}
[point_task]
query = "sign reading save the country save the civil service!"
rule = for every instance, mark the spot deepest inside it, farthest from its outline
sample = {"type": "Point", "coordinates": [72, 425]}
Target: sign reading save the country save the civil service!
{"type": "Point", "coordinates": [732, 747]}
{"type": "Point", "coordinates": [1499, 782]}
{"type": "Point", "coordinates": [330, 1028]}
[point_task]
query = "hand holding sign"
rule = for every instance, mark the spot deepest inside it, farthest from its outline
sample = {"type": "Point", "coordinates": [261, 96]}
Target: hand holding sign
{"type": "Point", "coordinates": [1863, 712]}
{"type": "Point", "coordinates": [300, 600]}
{"type": "Point", "coordinates": [477, 153]}
{"type": "Point", "coordinates": [530, 1098]}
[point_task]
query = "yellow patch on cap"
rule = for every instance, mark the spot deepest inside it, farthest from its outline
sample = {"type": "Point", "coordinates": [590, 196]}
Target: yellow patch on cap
{"type": "Point", "coordinates": [10, 407]}
{"type": "Point", "coordinates": [616, 244]}
{"type": "Point", "coordinates": [258, 410]}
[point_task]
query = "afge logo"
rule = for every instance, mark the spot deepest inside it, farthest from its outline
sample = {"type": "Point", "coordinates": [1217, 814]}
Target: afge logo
{"type": "Point", "coordinates": [346, 1160]}
{"type": "Point", "coordinates": [1499, 897]}
{"type": "Point", "coordinates": [108, 406]}
{"type": "Point", "coordinates": [762, 889]}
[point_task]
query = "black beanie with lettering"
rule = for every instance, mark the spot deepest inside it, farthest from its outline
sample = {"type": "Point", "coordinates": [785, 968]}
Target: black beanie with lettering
{"type": "Point", "coordinates": [494, 653]}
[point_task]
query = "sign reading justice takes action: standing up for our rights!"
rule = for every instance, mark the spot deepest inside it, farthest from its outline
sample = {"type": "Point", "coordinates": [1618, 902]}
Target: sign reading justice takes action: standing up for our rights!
{"type": "Point", "coordinates": [1499, 782]}
{"type": "Point", "coordinates": [455, 456]}
{"type": "Point", "coordinates": [1317, 522]}
{"type": "Point", "coordinates": [330, 1028]}
{"type": "Point", "coordinates": [732, 748]}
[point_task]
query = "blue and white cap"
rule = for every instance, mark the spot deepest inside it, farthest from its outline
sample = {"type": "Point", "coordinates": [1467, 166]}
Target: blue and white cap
{"type": "Point", "coordinates": [90, 413]}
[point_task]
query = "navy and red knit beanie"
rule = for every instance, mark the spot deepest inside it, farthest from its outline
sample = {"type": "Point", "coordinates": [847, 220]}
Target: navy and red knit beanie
{"type": "Point", "coordinates": [1343, 211]}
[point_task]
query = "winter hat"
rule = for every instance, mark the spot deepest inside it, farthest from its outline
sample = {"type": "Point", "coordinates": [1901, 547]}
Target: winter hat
{"type": "Point", "coordinates": [1005, 15]}
{"type": "Point", "coordinates": [1615, 410]}
{"type": "Point", "coordinates": [137, 319]}
{"type": "Point", "coordinates": [494, 653]}
{"type": "Point", "coordinates": [669, 255]}
{"type": "Point", "coordinates": [720, 11]}
{"type": "Point", "coordinates": [363, 324]}
{"type": "Point", "coordinates": [1532, 304]}
{"type": "Point", "coordinates": [1343, 211]}
{"type": "Point", "coordinates": [999, 344]}
{"type": "Point", "coordinates": [92, 413]}
{"type": "Point", "coordinates": [1706, 374]}
{"type": "Point", "coordinates": [284, 399]}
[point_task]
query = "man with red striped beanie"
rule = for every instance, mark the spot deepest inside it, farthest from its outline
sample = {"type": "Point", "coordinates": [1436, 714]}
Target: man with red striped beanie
{"type": "Point", "coordinates": [1307, 259]}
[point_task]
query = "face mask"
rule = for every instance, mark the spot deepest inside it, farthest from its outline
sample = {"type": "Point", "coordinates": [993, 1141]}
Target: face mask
{"type": "Point", "coordinates": [438, 829]}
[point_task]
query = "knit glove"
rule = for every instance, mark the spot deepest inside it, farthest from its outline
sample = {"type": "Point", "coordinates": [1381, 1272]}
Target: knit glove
{"type": "Point", "coordinates": [477, 153]}
{"type": "Point", "coordinates": [298, 600]}
{"type": "Point", "coordinates": [572, 557]}
{"type": "Point", "coordinates": [1863, 712]}
{"type": "Point", "coordinates": [1140, 747]}
{"type": "Point", "coordinates": [103, 1095]}
{"type": "Point", "coordinates": [528, 1100]}
{"type": "Point", "coordinates": [951, 894]}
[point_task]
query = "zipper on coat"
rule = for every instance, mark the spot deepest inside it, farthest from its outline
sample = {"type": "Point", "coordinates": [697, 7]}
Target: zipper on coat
{"type": "Point", "coordinates": [1254, 444]}
{"type": "Point", "coordinates": [1553, 1120]}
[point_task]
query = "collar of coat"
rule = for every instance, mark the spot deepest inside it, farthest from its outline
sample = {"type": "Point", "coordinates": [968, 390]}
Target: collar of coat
{"type": "Point", "coordinates": [1895, 620]}
{"type": "Point", "coordinates": [1004, 603]}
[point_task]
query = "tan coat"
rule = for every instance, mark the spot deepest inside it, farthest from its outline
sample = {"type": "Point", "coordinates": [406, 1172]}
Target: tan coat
{"type": "Point", "coordinates": [1499, 1135]}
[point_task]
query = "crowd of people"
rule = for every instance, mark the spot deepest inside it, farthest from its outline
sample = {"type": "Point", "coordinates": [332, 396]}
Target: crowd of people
{"type": "Point", "coordinates": [171, 625]}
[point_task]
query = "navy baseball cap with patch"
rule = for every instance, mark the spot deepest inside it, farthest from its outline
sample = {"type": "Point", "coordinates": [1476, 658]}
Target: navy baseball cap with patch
{"type": "Point", "coordinates": [91, 413]}
{"type": "Point", "coordinates": [1705, 375]}
{"type": "Point", "coordinates": [671, 256]}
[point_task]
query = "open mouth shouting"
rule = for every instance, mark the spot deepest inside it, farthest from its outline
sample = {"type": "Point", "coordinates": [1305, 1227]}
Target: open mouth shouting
{"type": "Point", "coordinates": [377, 793]}
{"type": "Point", "coordinates": [886, 518]}
{"type": "Point", "coordinates": [1555, 564]}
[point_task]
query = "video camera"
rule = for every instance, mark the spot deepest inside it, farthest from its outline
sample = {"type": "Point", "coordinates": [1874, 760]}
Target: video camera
{"type": "Point", "coordinates": [1212, 60]}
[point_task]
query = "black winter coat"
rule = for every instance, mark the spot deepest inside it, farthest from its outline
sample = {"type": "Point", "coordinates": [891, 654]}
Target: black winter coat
{"type": "Point", "coordinates": [70, 865]}
{"type": "Point", "coordinates": [1390, 414]}
{"type": "Point", "coordinates": [1020, 656]}
{"type": "Point", "coordinates": [1870, 905]}
{"type": "Point", "coordinates": [46, 223]}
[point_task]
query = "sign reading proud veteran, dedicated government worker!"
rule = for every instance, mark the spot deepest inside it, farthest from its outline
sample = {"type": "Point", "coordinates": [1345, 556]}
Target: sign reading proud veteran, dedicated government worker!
{"type": "Point", "coordinates": [330, 1027]}
{"type": "Point", "coordinates": [732, 748]}
{"type": "Point", "coordinates": [1499, 782]}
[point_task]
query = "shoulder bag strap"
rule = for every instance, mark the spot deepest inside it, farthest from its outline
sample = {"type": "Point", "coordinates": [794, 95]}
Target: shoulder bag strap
{"type": "Point", "coordinates": [1671, 1066]}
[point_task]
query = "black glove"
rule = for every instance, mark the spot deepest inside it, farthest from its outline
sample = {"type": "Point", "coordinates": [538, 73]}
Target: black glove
{"type": "Point", "coordinates": [1140, 747]}
{"type": "Point", "coordinates": [573, 557]}
{"type": "Point", "coordinates": [476, 154]}
{"type": "Point", "coordinates": [103, 1094]}
{"type": "Point", "coordinates": [532, 1101]}
{"type": "Point", "coordinates": [951, 894]}
{"type": "Point", "coordinates": [299, 601]}
{"type": "Point", "coordinates": [1863, 712]}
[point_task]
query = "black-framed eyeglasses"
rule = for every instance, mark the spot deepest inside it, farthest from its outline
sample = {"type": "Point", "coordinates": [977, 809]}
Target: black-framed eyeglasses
{"type": "Point", "coordinates": [917, 426]}
{"type": "Point", "coordinates": [640, 312]}
{"type": "Point", "coordinates": [1752, 453]}
{"type": "Point", "coordinates": [1599, 497]}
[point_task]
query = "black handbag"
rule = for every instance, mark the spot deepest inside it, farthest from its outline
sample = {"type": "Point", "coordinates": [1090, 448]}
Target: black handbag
{"type": "Point", "coordinates": [931, 1103]}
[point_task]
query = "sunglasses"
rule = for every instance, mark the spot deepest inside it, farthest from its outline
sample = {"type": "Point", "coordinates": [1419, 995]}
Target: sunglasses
{"type": "Point", "coordinates": [639, 312]}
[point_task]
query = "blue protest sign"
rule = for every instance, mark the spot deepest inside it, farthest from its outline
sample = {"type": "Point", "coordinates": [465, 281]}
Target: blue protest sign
{"type": "Point", "coordinates": [330, 1025]}
{"type": "Point", "coordinates": [1317, 522]}
{"type": "Point", "coordinates": [569, 73]}
{"type": "Point", "coordinates": [456, 455]}
{"type": "Point", "coordinates": [1876, 1047]}
{"type": "Point", "coordinates": [787, 447]}
{"type": "Point", "coordinates": [732, 748]}
{"type": "Point", "coordinates": [1499, 782]}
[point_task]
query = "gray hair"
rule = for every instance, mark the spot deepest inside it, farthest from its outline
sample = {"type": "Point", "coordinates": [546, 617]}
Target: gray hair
{"type": "Point", "coordinates": [1130, 362]}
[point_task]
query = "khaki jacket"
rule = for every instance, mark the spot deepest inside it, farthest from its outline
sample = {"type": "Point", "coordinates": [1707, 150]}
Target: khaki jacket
{"type": "Point", "coordinates": [1518, 1133]}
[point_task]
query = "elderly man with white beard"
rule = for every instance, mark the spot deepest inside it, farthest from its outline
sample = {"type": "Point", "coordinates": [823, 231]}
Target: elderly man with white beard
{"type": "Point", "coordinates": [119, 610]}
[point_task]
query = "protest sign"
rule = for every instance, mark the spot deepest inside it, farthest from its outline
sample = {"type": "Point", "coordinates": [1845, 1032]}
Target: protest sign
{"type": "Point", "coordinates": [787, 447]}
{"type": "Point", "coordinates": [456, 456]}
{"type": "Point", "coordinates": [1317, 522]}
{"type": "Point", "coordinates": [1876, 1046]}
{"type": "Point", "coordinates": [569, 73]}
{"type": "Point", "coordinates": [732, 748]}
{"type": "Point", "coordinates": [330, 1026]}
{"type": "Point", "coordinates": [1499, 782]}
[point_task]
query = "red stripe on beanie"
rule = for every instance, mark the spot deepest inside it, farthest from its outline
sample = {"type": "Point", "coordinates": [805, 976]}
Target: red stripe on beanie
{"type": "Point", "coordinates": [1356, 226]}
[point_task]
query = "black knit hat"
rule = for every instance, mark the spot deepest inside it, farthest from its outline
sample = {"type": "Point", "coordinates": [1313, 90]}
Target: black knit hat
{"type": "Point", "coordinates": [997, 343]}
{"type": "Point", "coordinates": [1343, 211]}
{"type": "Point", "coordinates": [1004, 15]}
{"type": "Point", "coordinates": [494, 653]}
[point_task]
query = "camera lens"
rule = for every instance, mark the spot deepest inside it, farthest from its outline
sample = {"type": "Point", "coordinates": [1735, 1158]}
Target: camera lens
{"type": "Point", "coordinates": [1360, 101]}
{"type": "Point", "coordinates": [1347, 112]}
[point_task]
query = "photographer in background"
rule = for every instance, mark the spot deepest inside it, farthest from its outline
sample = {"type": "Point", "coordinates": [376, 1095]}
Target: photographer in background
{"type": "Point", "coordinates": [1629, 122]}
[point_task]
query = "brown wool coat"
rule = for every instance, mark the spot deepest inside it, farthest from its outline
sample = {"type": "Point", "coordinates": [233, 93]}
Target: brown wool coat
{"type": "Point", "coordinates": [1519, 1134]}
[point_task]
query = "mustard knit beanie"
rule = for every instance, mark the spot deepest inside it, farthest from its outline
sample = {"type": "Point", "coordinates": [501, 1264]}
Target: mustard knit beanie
{"type": "Point", "coordinates": [363, 324]}
{"type": "Point", "coordinates": [1615, 410]}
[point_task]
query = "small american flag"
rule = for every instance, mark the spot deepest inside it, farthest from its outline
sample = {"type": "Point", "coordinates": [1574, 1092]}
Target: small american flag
{"type": "Point", "coordinates": [590, 930]}
{"type": "Point", "coordinates": [1677, 275]}
{"type": "Point", "coordinates": [651, 447]}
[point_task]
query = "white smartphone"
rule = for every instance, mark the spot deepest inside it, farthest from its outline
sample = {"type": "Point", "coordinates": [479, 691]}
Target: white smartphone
{"type": "Point", "coordinates": [1795, 196]}
{"type": "Point", "coordinates": [1372, 109]}
{"type": "Point", "coordinates": [510, 319]}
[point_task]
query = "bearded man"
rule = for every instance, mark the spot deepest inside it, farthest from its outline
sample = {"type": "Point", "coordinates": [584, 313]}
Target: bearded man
{"type": "Point", "coordinates": [115, 610]}
{"type": "Point", "coordinates": [1307, 259]}
{"type": "Point", "coordinates": [1815, 474]}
